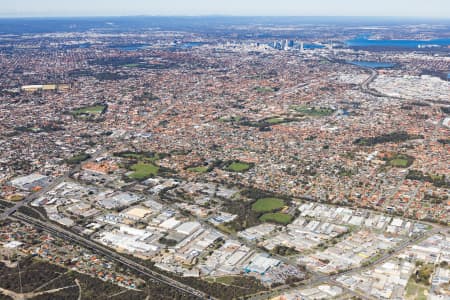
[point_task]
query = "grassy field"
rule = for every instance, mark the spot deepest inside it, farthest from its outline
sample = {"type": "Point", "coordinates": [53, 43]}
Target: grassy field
{"type": "Point", "coordinates": [437, 177]}
{"type": "Point", "coordinates": [234, 287]}
{"type": "Point", "coordinates": [142, 156]}
{"type": "Point", "coordinates": [278, 218]}
{"type": "Point", "coordinates": [144, 164]}
{"type": "Point", "coordinates": [238, 167]}
{"type": "Point", "coordinates": [274, 121]}
{"type": "Point", "coordinates": [235, 281]}
{"type": "Point", "coordinates": [415, 290]}
{"type": "Point", "coordinates": [143, 171]}
{"type": "Point", "coordinates": [199, 169]}
{"type": "Point", "coordinates": [227, 280]}
{"type": "Point", "coordinates": [226, 229]}
{"type": "Point", "coordinates": [313, 112]}
{"type": "Point", "coordinates": [268, 205]}
{"type": "Point", "coordinates": [264, 89]}
{"type": "Point", "coordinates": [89, 110]}
{"type": "Point", "coordinates": [16, 198]}
{"type": "Point", "coordinates": [401, 161]}
{"type": "Point", "coordinates": [419, 282]}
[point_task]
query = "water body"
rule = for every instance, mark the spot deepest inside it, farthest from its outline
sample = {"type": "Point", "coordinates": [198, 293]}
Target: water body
{"type": "Point", "coordinates": [195, 24]}
{"type": "Point", "coordinates": [136, 47]}
{"type": "Point", "coordinates": [79, 46]}
{"type": "Point", "coordinates": [130, 47]}
{"type": "Point", "coordinates": [365, 42]}
{"type": "Point", "coordinates": [191, 45]}
{"type": "Point", "coordinates": [313, 46]}
{"type": "Point", "coordinates": [372, 64]}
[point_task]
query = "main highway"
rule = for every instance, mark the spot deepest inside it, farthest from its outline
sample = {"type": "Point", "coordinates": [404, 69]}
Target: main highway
{"type": "Point", "coordinates": [13, 213]}
{"type": "Point", "coordinates": [58, 231]}
{"type": "Point", "coordinates": [8, 212]}
{"type": "Point", "coordinates": [111, 254]}
{"type": "Point", "coordinates": [54, 183]}
{"type": "Point", "coordinates": [317, 278]}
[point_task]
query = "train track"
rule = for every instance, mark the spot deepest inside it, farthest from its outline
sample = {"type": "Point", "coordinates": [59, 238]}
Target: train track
{"type": "Point", "coordinates": [114, 256]}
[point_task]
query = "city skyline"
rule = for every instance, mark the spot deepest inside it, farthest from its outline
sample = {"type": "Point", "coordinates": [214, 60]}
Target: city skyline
{"type": "Point", "coordinates": [383, 8]}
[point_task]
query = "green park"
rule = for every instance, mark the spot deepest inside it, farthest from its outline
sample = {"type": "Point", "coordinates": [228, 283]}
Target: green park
{"type": "Point", "coordinates": [267, 205]}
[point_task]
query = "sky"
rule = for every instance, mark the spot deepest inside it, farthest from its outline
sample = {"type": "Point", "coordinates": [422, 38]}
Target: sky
{"type": "Point", "coordinates": [399, 8]}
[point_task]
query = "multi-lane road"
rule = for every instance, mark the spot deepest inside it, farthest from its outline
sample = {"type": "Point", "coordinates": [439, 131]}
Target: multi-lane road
{"type": "Point", "coordinates": [57, 230]}
{"type": "Point", "coordinates": [111, 254]}
{"type": "Point", "coordinates": [318, 278]}
{"type": "Point", "coordinates": [13, 213]}
{"type": "Point", "coordinates": [55, 182]}
{"type": "Point", "coordinates": [8, 212]}
{"type": "Point", "coordinates": [133, 265]}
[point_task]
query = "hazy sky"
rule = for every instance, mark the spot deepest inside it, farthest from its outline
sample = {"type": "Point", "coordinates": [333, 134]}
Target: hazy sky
{"type": "Point", "coordinates": [416, 8]}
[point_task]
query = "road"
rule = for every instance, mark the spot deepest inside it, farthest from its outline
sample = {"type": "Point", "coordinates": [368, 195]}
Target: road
{"type": "Point", "coordinates": [8, 212]}
{"type": "Point", "coordinates": [75, 238]}
{"type": "Point", "coordinates": [365, 85]}
{"type": "Point", "coordinates": [318, 278]}
{"type": "Point", "coordinates": [111, 254]}
{"type": "Point", "coordinates": [114, 256]}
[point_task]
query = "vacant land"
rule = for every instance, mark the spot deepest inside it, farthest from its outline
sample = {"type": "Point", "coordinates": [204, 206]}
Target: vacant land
{"type": "Point", "coordinates": [419, 282]}
{"type": "Point", "coordinates": [15, 197]}
{"type": "Point", "coordinates": [226, 280]}
{"type": "Point", "coordinates": [415, 290]}
{"type": "Point", "coordinates": [268, 205]}
{"type": "Point", "coordinates": [238, 282]}
{"type": "Point", "coordinates": [284, 251]}
{"type": "Point", "coordinates": [41, 280]}
{"type": "Point", "coordinates": [89, 110]}
{"type": "Point", "coordinates": [278, 218]}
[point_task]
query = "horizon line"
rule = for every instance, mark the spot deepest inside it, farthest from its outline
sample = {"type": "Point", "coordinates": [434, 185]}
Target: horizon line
{"type": "Point", "coordinates": [217, 15]}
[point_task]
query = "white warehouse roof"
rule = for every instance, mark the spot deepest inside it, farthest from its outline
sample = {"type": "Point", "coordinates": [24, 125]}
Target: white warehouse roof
{"type": "Point", "coordinates": [188, 227]}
